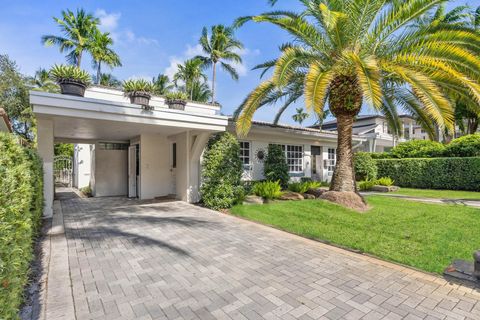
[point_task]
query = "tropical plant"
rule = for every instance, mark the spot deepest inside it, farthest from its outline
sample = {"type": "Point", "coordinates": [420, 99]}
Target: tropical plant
{"type": "Point", "coordinates": [108, 80]}
{"type": "Point", "coordinates": [14, 99]}
{"type": "Point", "coordinates": [467, 117]}
{"type": "Point", "coordinates": [303, 186]}
{"type": "Point", "coordinates": [300, 116]}
{"type": "Point", "coordinates": [161, 85]}
{"type": "Point", "coordinates": [132, 86]}
{"type": "Point", "coordinates": [189, 73]}
{"type": "Point", "coordinates": [221, 172]}
{"type": "Point", "coordinates": [42, 81]}
{"type": "Point", "coordinates": [353, 52]}
{"type": "Point", "coordinates": [61, 73]}
{"type": "Point", "coordinates": [77, 31]}
{"type": "Point", "coordinates": [367, 184]}
{"type": "Point", "coordinates": [101, 51]}
{"type": "Point", "coordinates": [275, 167]}
{"type": "Point", "coordinates": [220, 46]}
{"type": "Point", "coordinates": [201, 91]}
{"type": "Point", "coordinates": [176, 95]}
{"type": "Point", "coordinates": [385, 181]}
{"type": "Point", "coordinates": [267, 189]}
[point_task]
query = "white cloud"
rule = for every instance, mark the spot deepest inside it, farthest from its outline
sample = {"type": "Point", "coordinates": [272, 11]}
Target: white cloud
{"type": "Point", "coordinates": [108, 21]}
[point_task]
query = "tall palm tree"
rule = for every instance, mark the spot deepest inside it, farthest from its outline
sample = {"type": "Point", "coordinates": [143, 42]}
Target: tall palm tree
{"type": "Point", "coordinates": [101, 51]}
{"type": "Point", "coordinates": [162, 84]}
{"type": "Point", "coordinates": [300, 116]}
{"type": "Point", "coordinates": [220, 47]}
{"type": "Point", "coordinates": [201, 91]}
{"type": "Point", "coordinates": [189, 72]}
{"type": "Point", "coordinates": [107, 80]}
{"type": "Point", "coordinates": [43, 82]}
{"type": "Point", "coordinates": [355, 52]}
{"type": "Point", "coordinates": [77, 31]}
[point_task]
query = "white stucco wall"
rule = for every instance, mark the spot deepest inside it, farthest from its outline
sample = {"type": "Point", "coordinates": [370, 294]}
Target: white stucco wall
{"type": "Point", "coordinates": [110, 173]}
{"type": "Point", "coordinates": [45, 150]}
{"type": "Point", "coordinates": [155, 165]}
{"type": "Point", "coordinates": [82, 165]}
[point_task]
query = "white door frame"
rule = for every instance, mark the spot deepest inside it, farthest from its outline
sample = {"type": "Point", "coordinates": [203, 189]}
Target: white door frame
{"type": "Point", "coordinates": [132, 171]}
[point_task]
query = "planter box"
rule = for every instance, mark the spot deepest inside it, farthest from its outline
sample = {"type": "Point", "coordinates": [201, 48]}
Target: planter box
{"type": "Point", "coordinates": [72, 87]}
{"type": "Point", "coordinates": [385, 188]}
{"type": "Point", "coordinates": [176, 104]}
{"type": "Point", "coordinates": [141, 98]}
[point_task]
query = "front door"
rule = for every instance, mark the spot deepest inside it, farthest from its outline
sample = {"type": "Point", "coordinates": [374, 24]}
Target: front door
{"type": "Point", "coordinates": [173, 168]}
{"type": "Point", "coordinates": [132, 171]}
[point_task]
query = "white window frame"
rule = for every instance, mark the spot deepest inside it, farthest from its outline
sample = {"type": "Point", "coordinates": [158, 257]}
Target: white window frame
{"type": "Point", "coordinates": [290, 160]}
{"type": "Point", "coordinates": [246, 166]}
{"type": "Point", "coordinates": [331, 160]}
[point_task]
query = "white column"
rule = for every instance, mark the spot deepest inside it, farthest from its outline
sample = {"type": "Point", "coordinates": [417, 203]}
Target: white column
{"type": "Point", "coordinates": [45, 150]}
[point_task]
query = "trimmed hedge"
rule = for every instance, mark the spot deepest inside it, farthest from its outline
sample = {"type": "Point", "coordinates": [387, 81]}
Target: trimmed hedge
{"type": "Point", "coordinates": [21, 205]}
{"type": "Point", "coordinates": [433, 173]}
{"type": "Point", "coordinates": [365, 166]}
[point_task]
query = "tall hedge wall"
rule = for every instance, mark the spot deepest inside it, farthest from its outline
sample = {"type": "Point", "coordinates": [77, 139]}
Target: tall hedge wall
{"type": "Point", "coordinates": [21, 205]}
{"type": "Point", "coordinates": [433, 173]}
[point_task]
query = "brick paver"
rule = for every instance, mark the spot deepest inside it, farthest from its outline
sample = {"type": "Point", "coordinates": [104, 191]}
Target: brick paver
{"type": "Point", "coordinates": [142, 260]}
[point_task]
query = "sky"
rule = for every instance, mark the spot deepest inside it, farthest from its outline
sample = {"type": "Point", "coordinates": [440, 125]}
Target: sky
{"type": "Point", "coordinates": [152, 37]}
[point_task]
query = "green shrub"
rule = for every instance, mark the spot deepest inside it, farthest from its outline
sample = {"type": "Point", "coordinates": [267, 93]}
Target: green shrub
{"type": "Point", "coordinates": [61, 73]}
{"type": "Point", "coordinates": [366, 184]}
{"type": "Point", "coordinates": [466, 146]}
{"type": "Point", "coordinates": [21, 204]}
{"type": "Point", "coordinates": [267, 189]}
{"type": "Point", "coordinates": [433, 173]}
{"type": "Point", "coordinates": [137, 85]}
{"type": "Point", "coordinates": [380, 155]}
{"type": "Point", "coordinates": [365, 166]}
{"type": "Point", "coordinates": [221, 172]}
{"type": "Point", "coordinates": [302, 187]}
{"type": "Point", "coordinates": [275, 167]}
{"type": "Point", "coordinates": [176, 95]}
{"type": "Point", "coordinates": [385, 181]}
{"type": "Point", "coordinates": [418, 149]}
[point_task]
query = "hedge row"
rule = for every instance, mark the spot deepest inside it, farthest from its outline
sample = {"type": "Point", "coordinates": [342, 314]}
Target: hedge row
{"type": "Point", "coordinates": [21, 203]}
{"type": "Point", "coordinates": [433, 173]}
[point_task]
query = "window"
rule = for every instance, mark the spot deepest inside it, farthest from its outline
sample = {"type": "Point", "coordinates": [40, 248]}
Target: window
{"type": "Point", "coordinates": [245, 154]}
{"type": "Point", "coordinates": [112, 146]}
{"type": "Point", "coordinates": [294, 156]}
{"type": "Point", "coordinates": [332, 161]}
{"type": "Point", "coordinates": [174, 155]}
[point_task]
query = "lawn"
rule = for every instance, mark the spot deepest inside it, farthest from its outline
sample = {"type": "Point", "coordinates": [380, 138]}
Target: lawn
{"type": "Point", "coordinates": [425, 236]}
{"type": "Point", "coordinates": [446, 194]}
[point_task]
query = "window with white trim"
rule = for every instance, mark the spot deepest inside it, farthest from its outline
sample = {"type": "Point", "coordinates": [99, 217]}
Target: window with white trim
{"type": "Point", "coordinates": [331, 160]}
{"type": "Point", "coordinates": [294, 156]}
{"type": "Point", "coordinates": [245, 154]}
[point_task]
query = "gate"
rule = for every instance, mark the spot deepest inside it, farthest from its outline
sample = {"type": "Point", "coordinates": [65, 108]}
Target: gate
{"type": "Point", "coordinates": [62, 170]}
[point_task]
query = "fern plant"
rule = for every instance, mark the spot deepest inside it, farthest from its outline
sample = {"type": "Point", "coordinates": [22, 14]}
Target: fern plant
{"type": "Point", "coordinates": [267, 189]}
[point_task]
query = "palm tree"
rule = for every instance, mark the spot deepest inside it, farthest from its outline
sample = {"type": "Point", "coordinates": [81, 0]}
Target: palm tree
{"type": "Point", "coordinates": [300, 116]}
{"type": "Point", "coordinates": [189, 73]}
{"type": "Point", "coordinates": [99, 48]}
{"type": "Point", "coordinates": [107, 80]}
{"type": "Point", "coordinates": [220, 47]}
{"type": "Point", "coordinates": [201, 91]}
{"type": "Point", "coordinates": [77, 29]}
{"type": "Point", "coordinates": [43, 82]}
{"type": "Point", "coordinates": [355, 52]}
{"type": "Point", "coordinates": [162, 84]}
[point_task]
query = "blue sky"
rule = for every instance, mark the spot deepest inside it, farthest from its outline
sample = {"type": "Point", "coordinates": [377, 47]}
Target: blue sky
{"type": "Point", "coordinates": [151, 37]}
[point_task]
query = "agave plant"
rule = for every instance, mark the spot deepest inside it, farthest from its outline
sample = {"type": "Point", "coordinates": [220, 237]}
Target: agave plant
{"type": "Point", "coordinates": [133, 86]}
{"type": "Point", "coordinates": [176, 95]}
{"type": "Point", "coordinates": [69, 73]}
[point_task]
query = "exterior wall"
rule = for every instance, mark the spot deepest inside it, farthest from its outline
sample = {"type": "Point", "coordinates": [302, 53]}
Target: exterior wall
{"type": "Point", "coordinates": [110, 173]}
{"type": "Point", "coordinates": [45, 150]}
{"type": "Point", "coordinates": [155, 165]}
{"type": "Point", "coordinates": [82, 165]}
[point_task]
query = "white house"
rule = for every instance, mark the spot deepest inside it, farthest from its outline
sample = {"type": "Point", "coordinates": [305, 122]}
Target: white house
{"type": "Point", "coordinates": [122, 149]}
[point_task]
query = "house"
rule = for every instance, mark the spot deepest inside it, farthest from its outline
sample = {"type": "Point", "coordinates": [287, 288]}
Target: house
{"type": "Point", "coordinates": [5, 125]}
{"type": "Point", "coordinates": [375, 129]}
{"type": "Point", "coordinates": [122, 149]}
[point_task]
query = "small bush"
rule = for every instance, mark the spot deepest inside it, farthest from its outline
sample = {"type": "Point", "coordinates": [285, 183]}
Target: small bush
{"type": "Point", "coordinates": [418, 149]}
{"type": "Point", "coordinates": [21, 205]}
{"type": "Point", "coordinates": [365, 166]}
{"type": "Point", "coordinates": [466, 146]}
{"type": "Point", "coordinates": [433, 173]}
{"type": "Point", "coordinates": [137, 85]}
{"type": "Point", "coordinates": [275, 167]}
{"type": "Point", "coordinates": [61, 73]}
{"type": "Point", "coordinates": [385, 181]}
{"type": "Point", "coordinates": [302, 187]}
{"type": "Point", "coordinates": [267, 189]}
{"type": "Point", "coordinates": [366, 185]}
{"type": "Point", "coordinates": [221, 172]}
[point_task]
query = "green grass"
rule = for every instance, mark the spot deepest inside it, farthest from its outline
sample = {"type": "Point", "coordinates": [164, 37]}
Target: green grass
{"type": "Point", "coordinates": [446, 194]}
{"type": "Point", "coordinates": [425, 236]}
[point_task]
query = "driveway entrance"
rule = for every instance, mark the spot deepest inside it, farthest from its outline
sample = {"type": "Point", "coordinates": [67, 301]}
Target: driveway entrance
{"type": "Point", "coordinates": [132, 259]}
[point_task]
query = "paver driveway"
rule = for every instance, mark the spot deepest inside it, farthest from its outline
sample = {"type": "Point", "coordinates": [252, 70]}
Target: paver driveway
{"type": "Point", "coordinates": [139, 260]}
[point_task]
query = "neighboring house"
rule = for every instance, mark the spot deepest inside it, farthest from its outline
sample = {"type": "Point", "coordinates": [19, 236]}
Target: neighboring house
{"type": "Point", "coordinates": [5, 125]}
{"type": "Point", "coordinates": [375, 129]}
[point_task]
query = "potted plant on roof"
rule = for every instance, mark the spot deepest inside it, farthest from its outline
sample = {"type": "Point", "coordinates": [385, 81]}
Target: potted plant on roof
{"type": "Point", "coordinates": [139, 91]}
{"type": "Point", "coordinates": [176, 100]}
{"type": "Point", "coordinates": [72, 79]}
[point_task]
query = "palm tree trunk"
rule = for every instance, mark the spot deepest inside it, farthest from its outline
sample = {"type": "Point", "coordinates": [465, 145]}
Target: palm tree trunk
{"type": "Point", "coordinates": [213, 81]}
{"type": "Point", "coordinates": [98, 71]}
{"type": "Point", "coordinates": [79, 59]}
{"type": "Point", "coordinates": [343, 177]}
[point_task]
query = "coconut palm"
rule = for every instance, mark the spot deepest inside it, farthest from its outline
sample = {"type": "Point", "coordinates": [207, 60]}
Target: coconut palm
{"type": "Point", "coordinates": [189, 73]}
{"type": "Point", "coordinates": [43, 82]}
{"type": "Point", "coordinates": [162, 84]}
{"type": "Point", "coordinates": [77, 31]}
{"type": "Point", "coordinates": [300, 116]}
{"type": "Point", "coordinates": [101, 51]}
{"type": "Point", "coordinates": [220, 46]}
{"type": "Point", "coordinates": [355, 52]}
{"type": "Point", "coordinates": [107, 80]}
{"type": "Point", "coordinates": [201, 91]}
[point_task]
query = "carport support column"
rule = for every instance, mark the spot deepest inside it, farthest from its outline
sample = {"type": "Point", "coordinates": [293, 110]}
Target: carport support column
{"type": "Point", "coordinates": [45, 150]}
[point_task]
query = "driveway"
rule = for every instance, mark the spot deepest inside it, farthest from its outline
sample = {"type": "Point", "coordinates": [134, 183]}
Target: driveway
{"type": "Point", "coordinates": [170, 260]}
